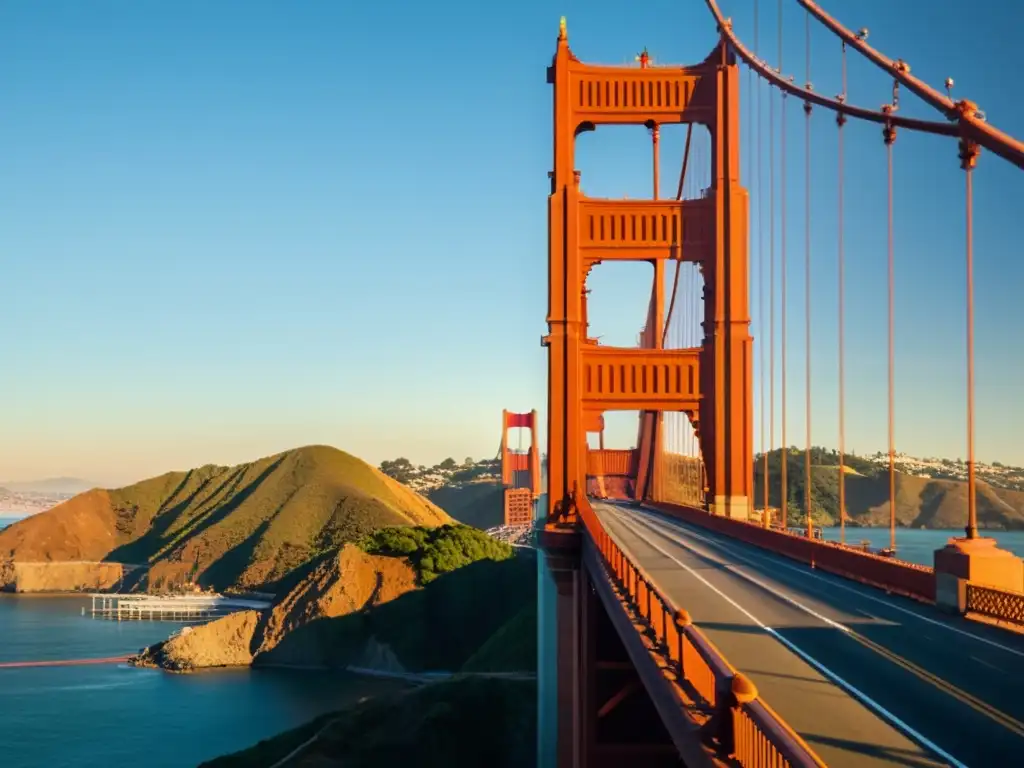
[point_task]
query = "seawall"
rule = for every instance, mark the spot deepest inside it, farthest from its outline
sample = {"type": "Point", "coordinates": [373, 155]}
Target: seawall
{"type": "Point", "coordinates": [80, 576]}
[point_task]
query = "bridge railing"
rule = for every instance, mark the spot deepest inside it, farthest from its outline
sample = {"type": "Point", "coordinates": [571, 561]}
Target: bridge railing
{"type": "Point", "coordinates": [999, 604]}
{"type": "Point", "coordinates": [888, 573]}
{"type": "Point", "coordinates": [735, 721]}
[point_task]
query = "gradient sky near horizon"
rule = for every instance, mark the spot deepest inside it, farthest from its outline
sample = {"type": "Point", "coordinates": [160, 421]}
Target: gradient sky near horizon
{"type": "Point", "coordinates": [231, 228]}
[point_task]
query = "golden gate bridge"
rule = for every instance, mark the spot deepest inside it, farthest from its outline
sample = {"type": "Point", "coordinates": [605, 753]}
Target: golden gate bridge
{"type": "Point", "coordinates": [692, 617]}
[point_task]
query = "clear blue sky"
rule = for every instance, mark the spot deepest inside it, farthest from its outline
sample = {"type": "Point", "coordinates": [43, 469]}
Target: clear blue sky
{"type": "Point", "coordinates": [231, 228]}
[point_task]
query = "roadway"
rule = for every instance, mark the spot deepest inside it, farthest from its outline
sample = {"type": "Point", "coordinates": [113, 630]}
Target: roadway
{"type": "Point", "coordinates": [866, 678]}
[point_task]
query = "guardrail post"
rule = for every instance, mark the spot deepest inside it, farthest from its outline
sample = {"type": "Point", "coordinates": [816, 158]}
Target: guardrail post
{"type": "Point", "coordinates": [682, 621]}
{"type": "Point", "coordinates": [742, 691]}
{"type": "Point", "coordinates": [731, 693]}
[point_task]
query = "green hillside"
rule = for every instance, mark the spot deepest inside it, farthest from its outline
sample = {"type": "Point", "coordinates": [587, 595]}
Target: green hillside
{"type": "Point", "coordinates": [245, 526]}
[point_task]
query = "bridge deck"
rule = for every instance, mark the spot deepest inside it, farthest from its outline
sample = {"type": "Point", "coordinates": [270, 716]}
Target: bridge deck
{"type": "Point", "coordinates": [795, 631]}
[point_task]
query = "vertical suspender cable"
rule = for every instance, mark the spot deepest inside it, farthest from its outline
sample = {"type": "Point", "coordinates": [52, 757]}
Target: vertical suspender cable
{"type": "Point", "coordinates": [771, 283]}
{"type": "Point", "coordinates": [783, 443]}
{"type": "Point", "coordinates": [654, 467]}
{"type": "Point", "coordinates": [808, 487]}
{"type": "Point", "coordinates": [674, 422]}
{"type": "Point", "coordinates": [840, 121]}
{"type": "Point", "coordinates": [754, 232]}
{"type": "Point", "coordinates": [701, 309]}
{"type": "Point", "coordinates": [889, 135]}
{"type": "Point", "coordinates": [760, 283]}
{"type": "Point", "coordinates": [693, 483]}
{"type": "Point", "coordinates": [679, 255]}
{"type": "Point", "coordinates": [783, 268]}
{"type": "Point", "coordinates": [968, 157]}
{"type": "Point", "coordinates": [693, 331]}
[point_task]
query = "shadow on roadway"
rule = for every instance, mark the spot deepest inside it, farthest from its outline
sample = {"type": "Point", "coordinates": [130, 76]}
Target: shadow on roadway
{"type": "Point", "coordinates": [888, 755]}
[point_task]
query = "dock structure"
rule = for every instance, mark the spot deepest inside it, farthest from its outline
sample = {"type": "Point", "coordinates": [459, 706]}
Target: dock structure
{"type": "Point", "coordinates": [189, 608]}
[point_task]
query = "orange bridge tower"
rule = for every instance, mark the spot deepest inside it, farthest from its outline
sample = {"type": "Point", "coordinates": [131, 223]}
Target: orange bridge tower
{"type": "Point", "coordinates": [711, 383]}
{"type": "Point", "coordinates": [520, 472]}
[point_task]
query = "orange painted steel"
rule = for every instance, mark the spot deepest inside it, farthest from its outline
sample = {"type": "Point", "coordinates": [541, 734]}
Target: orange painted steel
{"type": "Point", "coordinates": [644, 230]}
{"type": "Point", "coordinates": [713, 382]}
{"type": "Point", "coordinates": [841, 307]}
{"type": "Point", "coordinates": [593, 421]}
{"type": "Point", "coordinates": [511, 462]}
{"type": "Point", "coordinates": [890, 574]}
{"type": "Point", "coordinates": [641, 379]}
{"type": "Point", "coordinates": [770, 75]}
{"type": "Point", "coordinates": [611, 474]}
{"type": "Point", "coordinates": [518, 506]}
{"type": "Point", "coordinates": [516, 462]}
{"type": "Point", "coordinates": [735, 722]}
{"type": "Point", "coordinates": [999, 604]}
{"type": "Point", "coordinates": [611, 462]}
{"type": "Point", "coordinates": [970, 125]}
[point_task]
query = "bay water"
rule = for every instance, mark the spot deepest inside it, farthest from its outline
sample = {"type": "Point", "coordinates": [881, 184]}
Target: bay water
{"type": "Point", "coordinates": [114, 715]}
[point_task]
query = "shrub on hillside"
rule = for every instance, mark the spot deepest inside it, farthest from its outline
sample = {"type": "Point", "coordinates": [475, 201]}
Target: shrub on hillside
{"type": "Point", "coordinates": [434, 551]}
{"type": "Point", "coordinates": [400, 469]}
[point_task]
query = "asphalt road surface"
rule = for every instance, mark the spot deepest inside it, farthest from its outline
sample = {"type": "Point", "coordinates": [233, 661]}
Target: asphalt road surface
{"type": "Point", "coordinates": [866, 678]}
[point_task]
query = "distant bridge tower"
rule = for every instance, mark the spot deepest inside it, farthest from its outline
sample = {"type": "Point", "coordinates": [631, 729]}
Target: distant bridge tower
{"type": "Point", "coordinates": [520, 472]}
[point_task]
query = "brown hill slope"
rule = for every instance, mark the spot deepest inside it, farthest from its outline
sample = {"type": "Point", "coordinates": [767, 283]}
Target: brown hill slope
{"type": "Point", "coordinates": [923, 502]}
{"type": "Point", "coordinates": [245, 526]}
{"type": "Point", "coordinates": [346, 582]}
{"type": "Point", "coordinates": [400, 599]}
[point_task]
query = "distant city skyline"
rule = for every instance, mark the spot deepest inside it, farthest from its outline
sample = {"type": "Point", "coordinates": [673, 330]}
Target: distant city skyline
{"type": "Point", "coordinates": [234, 229]}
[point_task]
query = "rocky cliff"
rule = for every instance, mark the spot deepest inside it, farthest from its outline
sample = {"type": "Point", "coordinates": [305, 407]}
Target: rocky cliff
{"type": "Point", "coordinates": [428, 609]}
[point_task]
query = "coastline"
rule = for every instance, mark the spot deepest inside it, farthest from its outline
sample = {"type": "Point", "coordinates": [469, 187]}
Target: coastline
{"type": "Point", "coordinates": [46, 573]}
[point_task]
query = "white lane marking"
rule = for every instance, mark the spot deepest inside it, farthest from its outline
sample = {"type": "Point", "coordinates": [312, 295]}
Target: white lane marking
{"type": "Point", "coordinates": [775, 591]}
{"type": "Point", "coordinates": [985, 663]}
{"type": "Point", "coordinates": [836, 582]}
{"type": "Point", "coordinates": [848, 687]}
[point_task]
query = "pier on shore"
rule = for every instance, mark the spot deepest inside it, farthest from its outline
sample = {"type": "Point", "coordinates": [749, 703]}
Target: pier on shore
{"type": "Point", "coordinates": [169, 607]}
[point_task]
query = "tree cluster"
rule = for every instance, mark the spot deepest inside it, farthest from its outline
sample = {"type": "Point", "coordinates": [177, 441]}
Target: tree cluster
{"type": "Point", "coordinates": [435, 551]}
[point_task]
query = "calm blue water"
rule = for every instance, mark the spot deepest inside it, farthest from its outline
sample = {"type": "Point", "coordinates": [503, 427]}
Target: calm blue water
{"type": "Point", "coordinates": [115, 715]}
{"type": "Point", "coordinates": [918, 546]}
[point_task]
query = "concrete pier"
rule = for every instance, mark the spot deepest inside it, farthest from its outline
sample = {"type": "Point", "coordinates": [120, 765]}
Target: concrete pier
{"type": "Point", "coordinates": [170, 607]}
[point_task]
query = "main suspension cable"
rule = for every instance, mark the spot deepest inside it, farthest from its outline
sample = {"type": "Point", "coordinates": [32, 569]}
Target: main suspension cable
{"type": "Point", "coordinates": [773, 77]}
